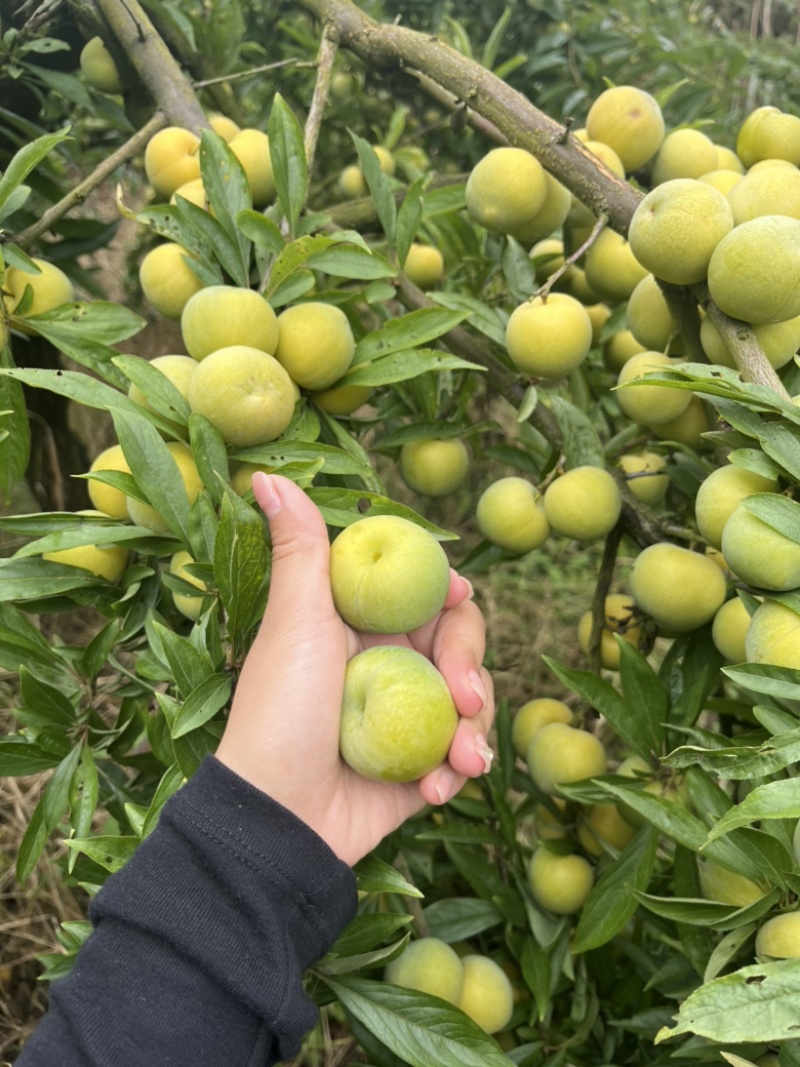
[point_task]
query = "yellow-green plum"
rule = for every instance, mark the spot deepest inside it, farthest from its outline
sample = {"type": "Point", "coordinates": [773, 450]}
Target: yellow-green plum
{"type": "Point", "coordinates": [177, 369]}
{"type": "Point", "coordinates": [434, 466]}
{"type": "Point", "coordinates": [487, 995]}
{"type": "Point", "coordinates": [728, 160]}
{"type": "Point", "coordinates": [245, 393]}
{"type": "Point", "coordinates": [608, 156]}
{"type": "Point", "coordinates": [547, 257]}
{"type": "Point", "coordinates": [167, 280]}
{"type": "Point", "coordinates": [650, 404]}
{"type": "Point", "coordinates": [645, 475]}
{"type": "Point", "coordinates": [549, 339]}
{"type": "Point", "coordinates": [431, 966]}
{"type": "Point", "coordinates": [143, 514]}
{"type": "Point", "coordinates": [388, 575]}
{"type": "Point", "coordinates": [601, 826]}
{"type": "Point", "coordinates": [688, 427]}
{"type": "Point", "coordinates": [99, 67]}
{"type": "Point", "coordinates": [759, 554]}
{"type": "Point", "coordinates": [351, 183]}
{"type": "Point", "coordinates": [679, 589]}
{"type": "Point", "coordinates": [721, 180]}
{"type": "Point", "coordinates": [721, 493]}
{"type": "Point", "coordinates": [559, 754]}
{"type": "Point", "coordinates": [103, 561]}
{"type": "Point", "coordinates": [315, 344]}
{"type": "Point", "coordinates": [225, 127]}
{"type": "Point", "coordinates": [194, 191]}
{"type": "Point", "coordinates": [50, 288]}
{"type": "Point", "coordinates": [729, 630]}
{"type": "Point", "coordinates": [532, 716]}
{"type": "Point", "coordinates": [779, 937]}
{"type": "Point", "coordinates": [754, 272]}
{"type": "Point", "coordinates": [251, 148]}
{"type": "Point", "coordinates": [511, 515]}
{"type": "Point", "coordinates": [172, 158]}
{"type": "Point", "coordinates": [550, 216]}
{"type": "Point", "coordinates": [728, 887]}
{"type": "Point", "coordinates": [188, 604]}
{"type": "Point", "coordinates": [398, 716]}
{"type": "Point", "coordinates": [779, 342]}
{"type": "Point", "coordinates": [343, 399]}
{"type": "Point", "coordinates": [619, 348]}
{"type": "Point", "coordinates": [424, 265]}
{"type": "Point", "coordinates": [648, 315]}
{"type": "Point", "coordinates": [774, 636]}
{"type": "Point", "coordinates": [683, 154]}
{"type": "Point", "coordinates": [620, 618]}
{"type": "Point", "coordinates": [584, 503]}
{"type": "Point", "coordinates": [769, 133]}
{"type": "Point", "coordinates": [769, 191]}
{"type": "Point", "coordinates": [677, 226]}
{"type": "Point", "coordinates": [106, 498]}
{"type": "Point", "coordinates": [219, 316]}
{"type": "Point", "coordinates": [559, 883]}
{"type": "Point", "coordinates": [599, 314]}
{"type": "Point", "coordinates": [612, 270]}
{"type": "Point", "coordinates": [630, 121]}
{"type": "Point", "coordinates": [506, 189]}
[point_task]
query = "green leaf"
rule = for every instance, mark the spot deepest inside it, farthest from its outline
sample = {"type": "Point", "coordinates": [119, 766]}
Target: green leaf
{"type": "Point", "coordinates": [709, 913]}
{"type": "Point", "coordinates": [537, 972]}
{"type": "Point", "coordinates": [777, 511]}
{"type": "Point", "coordinates": [611, 902]}
{"type": "Point", "coordinates": [495, 40]}
{"type": "Point", "coordinates": [782, 444]}
{"type": "Point", "coordinates": [366, 931]}
{"type": "Point", "coordinates": [19, 756]}
{"type": "Point", "coordinates": [162, 395]}
{"type": "Point", "coordinates": [240, 563]}
{"type": "Point", "coordinates": [332, 965]}
{"type": "Point", "coordinates": [421, 1029]}
{"type": "Point", "coordinates": [47, 814]}
{"type": "Point", "coordinates": [170, 783]}
{"type": "Point", "coordinates": [407, 331]}
{"type": "Point", "coordinates": [780, 682]}
{"type": "Point", "coordinates": [288, 156]}
{"type": "Point", "coordinates": [50, 704]}
{"type": "Point", "coordinates": [155, 471]}
{"type": "Point", "coordinates": [482, 318]}
{"type": "Point", "coordinates": [773, 800]}
{"type": "Point", "coordinates": [281, 454]}
{"type": "Point", "coordinates": [379, 186]}
{"type": "Point", "coordinates": [28, 157]}
{"type": "Point", "coordinates": [260, 230]}
{"type": "Point", "coordinates": [408, 218]}
{"type": "Point", "coordinates": [83, 793]}
{"type": "Point", "coordinates": [642, 689]}
{"type": "Point", "coordinates": [519, 270]}
{"type": "Point", "coordinates": [15, 434]}
{"type": "Point", "coordinates": [202, 704]}
{"type": "Point", "coordinates": [582, 446]}
{"type": "Point", "coordinates": [341, 507]}
{"type": "Point", "coordinates": [401, 366]}
{"type": "Point", "coordinates": [211, 455]}
{"type": "Point", "coordinates": [189, 667]}
{"type": "Point", "coordinates": [212, 235]}
{"type": "Point", "coordinates": [343, 260]}
{"type": "Point", "coordinates": [458, 918]}
{"type": "Point", "coordinates": [30, 579]}
{"type": "Point", "coordinates": [111, 851]}
{"type": "Point", "coordinates": [375, 876]}
{"type": "Point", "coordinates": [227, 188]}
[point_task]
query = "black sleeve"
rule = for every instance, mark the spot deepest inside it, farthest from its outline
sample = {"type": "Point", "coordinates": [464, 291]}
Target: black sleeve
{"type": "Point", "coordinates": [200, 942]}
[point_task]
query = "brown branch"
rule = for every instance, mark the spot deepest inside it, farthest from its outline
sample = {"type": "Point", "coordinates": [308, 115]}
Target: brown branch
{"type": "Point", "coordinates": [743, 345]}
{"type": "Point", "coordinates": [544, 290]}
{"type": "Point", "coordinates": [328, 48]}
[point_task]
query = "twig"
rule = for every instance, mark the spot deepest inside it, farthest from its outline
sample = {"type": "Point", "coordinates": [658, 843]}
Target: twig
{"type": "Point", "coordinates": [328, 47]}
{"type": "Point", "coordinates": [597, 229]}
{"type": "Point", "coordinates": [601, 588]}
{"type": "Point", "coordinates": [237, 75]}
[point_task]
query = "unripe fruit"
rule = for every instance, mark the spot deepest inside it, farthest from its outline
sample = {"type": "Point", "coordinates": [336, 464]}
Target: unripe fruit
{"type": "Point", "coordinates": [599, 314]}
{"type": "Point", "coordinates": [251, 148]}
{"type": "Point", "coordinates": [550, 216]}
{"type": "Point", "coordinates": [771, 191]}
{"type": "Point", "coordinates": [619, 348]}
{"type": "Point", "coordinates": [774, 636]}
{"type": "Point", "coordinates": [505, 189]}
{"type": "Point", "coordinates": [612, 270]}
{"type": "Point", "coordinates": [532, 716]}
{"type": "Point", "coordinates": [630, 121]}
{"type": "Point", "coordinates": [721, 493]}
{"type": "Point", "coordinates": [167, 280]}
{"type": "Point", "coordinates": [728, 160]}
{"type": "Point", "coordinates": [510, 514]}
{"type": "Point", "coordinates": [779, 341]}
{"type": "Point", "coordinates": [559, 754]}
{"type": "Point", "coordinates": [676, 587]}
{"type": "Point", "coordinates": [547, 256]}
{"type": "Point", "coordinates": [650, 404]}
{"type": "Point", "coordinates": [99, 67]}
{"type": "Point", "coordinates": [106, 498]}
{"type": "Point", "coordinates": [754, 273]}
{"type": "Point", "coordinates": [644, 475]}
{"type": "Point", "coordinates": [435, 467]}
{"type": "Point", "coordinates": [560, 884]}
{"type": "Point", "coordinates": [343, 400]}
{"type": "Point", "coordinates": [729, 630]}
{"type": "Point", "coordinates": [607, 155]}
{"type": "Point", "coordinates": [688, 427]}
{"type": "Point", "coordinates": [602, 825]}
{"type": "Point", "coordinates": [103, 561]}
{"type": "Point", "coordinates": [619, 619]}
{"type": "Point", "coordinates": [50, 288]}
{"type": "Point", "coordinates": [584, 503]}
{"type": "Point", "coordinates": [684, 154]}
{"type": "Point", "coordinates": [171, 159]}
{"type": "Point", "coordinates": [424, 265]}
{"type": "Point", "coordinates": [219, 316]}
{"type": "Point", "coordinates": [721, 180]}
{"type": "Point", "coordinates": [549, 339]}
{"type": "Point", "coordinates": [648, 315]}
{"type": "Point", "coordinates": [779, 937]}
{"type": "Point", "coordinates": [315, 344]}
{"type": "Point", "coordinates": [759, 554]}
{"type": "Point", "coordinates": [718, 883]}
{"type": "Point", "coordinates": [431, 966]}
{"type": "Point", "coordinates": [351, 182]}
{"type": "Point", "coordinates": [143, 514]}
{"type": "Point", "coordinates": [385, 159]}
{"type": "Point", "coordinates": [187, 605]}
{"type": "Point", "coordinates": [548, 826]}
{"type": "Point", "coordinates": [487, 995]}
{"type": "Point", "coordinates": [193, 191]}
{"type": "Point", "coordinates": [178, 369]}
{"type": "Point", "coordinates": [225, 127]}
{"type": "Point", "coordinates": [769, 133]}
{"type": "Point", "coordinates": [677, 226]}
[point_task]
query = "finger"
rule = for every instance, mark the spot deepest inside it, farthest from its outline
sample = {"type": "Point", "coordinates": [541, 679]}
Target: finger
{"type": "Point", "coordinates": [457, 646]}
{"type": "Point", "coordinates": [459, 589]}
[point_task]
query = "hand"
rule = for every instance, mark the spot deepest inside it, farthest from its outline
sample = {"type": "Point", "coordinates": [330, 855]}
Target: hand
{"type": "Point", "coordinates": [283, 730]}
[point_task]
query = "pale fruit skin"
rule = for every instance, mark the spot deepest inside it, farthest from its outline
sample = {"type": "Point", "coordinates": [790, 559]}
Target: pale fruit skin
{"type": "Point", "coordinates": [619, 619]}
{"type": "Point", "coordinates": [644, 475]}
{"type": "Point", "coordinates": [721, 493]}
{"type": "Point", "coordinates": [315, 344]}
{"type": "Point", "coordinates": [101, 561]}
{"type": "Point", "coordinates": [385, 159]}
{"type": "Point", "coordinates": [677, 226]}
{"type": "Point", "coordinates": [648, 315]}
{"type": "Point", "coordinates": [602, 825]}
{"type": "Point", "coordinates": [251, 148]}
{"type": "Point", "coordinates": [190, 606]}
{"type": "Point", "coordinates": [676, 587]}
{"type": "Point", "coordinates": [760, 555]}
{"type": "Point", "coordinates": [607, 155]}
{"type": "Point", "coordinates": [167, 280]}
{"type": "Point", "coordinates": [774, 636]}
{"type": "Point", "coordinates": [779, 341]}
{"type": "Point", "coordinates": [487, 995]}
{"type": "Point", "coordinates": [351, 182]}
{"type": "Point", "coordinates": [721, 180]}
{"type": "Point", "coordinates": [769, 191]}
{"type": "Point", "coordinates": [171, 159]}
{"type": "Point", "coordinates": [434, 467]}
{"type": "Point", "coordinates": [559, 754]}
{"type": "Point", "coordinates": [143, 514]}
{"type": "Point", "coordinates": [729, 630]}
{"type": "Point", "coordinates": [225, 127]}
{"type": "Point", "coordinates": [343, 400]}
{"type": "Point", "coordinates": [99, 67]}
{"type": "Point", "coordinates": [599, 314]}
{"type": "Point", "coordinates": [245, 393]}
{"type": "Point", "coordinates": [506, 189]}
{"type": "Point", "coordinates": [548, 257]}
{"type": "Point", "coordinates": [428, 965]}
{"type": "Point", "coordinates": [549, 339]}
{"type": "Point", "coordinates": [388, 575]}
{"type": "Point", "coordinates": [532, 716]}
{"type": "Point", "coordinates": [550, 216]}
{"type": "Point", "coordinates": [511, 515]}
{"type": "Point", "coordinates": [242, 477]}
{"type": "Point", "coordinates": [106, 498]}
{"type": "Point", "coordinates": [560, 884]}
{"type": "Point", "coordinates": [684, 154]}
{"type": "Point", "coordinates": [51, 288]}
{"type": "Point", "coordinates": [650, 404]}
{"type": "Point", "coordinates": [584, 503]}
{"type": "Point", "coordinates": [718, 883]}
{"type": "Point", "coordinates": [424, 265]}
{"type": "Point", "coordinates": [219, 316]}
{"type": "Point", "coordinates": [621, 347]}
{"type": "Point", "coordinates": [779, 937]}
{"type": "Point", "coordinates": [728, 160]}
{"type": "Point", "coordinates": [548, 826]}
{"type": "Point", "coordinates": [178, 369]}
{"type": "Point", "coordinates": [769, 133]}
{"type": "Point", "coordinates": [629, 120]}
{"type": "Point", "coordinates": [612, 270]}
{"type": "Point", "coordinates": [688, 427]}
{"type": "Point", "coordinates": [754, 273]}
{"type": "Point", "coordinates": [193, 191]}
{"type": "Point", "coordinates": [398, 716]}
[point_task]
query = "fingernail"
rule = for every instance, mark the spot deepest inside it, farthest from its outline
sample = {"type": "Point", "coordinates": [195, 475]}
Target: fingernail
{"type": "Point", "coordinates": [266, 494]}
{"type": "Point", "coordinates": [475, 682]}
{"type": "Point", "coordinates": [485, 752]}
{"type": "Point", "coordinates": [469, 587]}
{"type": "Point", "coordinates": [447, 785]}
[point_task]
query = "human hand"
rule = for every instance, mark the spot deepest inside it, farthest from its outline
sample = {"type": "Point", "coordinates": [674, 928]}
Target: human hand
{"type": "Point", "coordinates": [282, 734]}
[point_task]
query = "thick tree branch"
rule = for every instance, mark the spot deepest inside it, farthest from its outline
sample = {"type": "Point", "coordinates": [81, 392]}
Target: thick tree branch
{"type": "Point", "coordinates": [327, 54]}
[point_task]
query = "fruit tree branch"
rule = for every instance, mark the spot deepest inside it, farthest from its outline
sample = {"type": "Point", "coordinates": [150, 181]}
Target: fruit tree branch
{"type": "Point", "coordinates": [743, 345]}
{"type": "Point", "coordinates": [544, 290]}
{"type": "Point", "coordinates": [328, 48]}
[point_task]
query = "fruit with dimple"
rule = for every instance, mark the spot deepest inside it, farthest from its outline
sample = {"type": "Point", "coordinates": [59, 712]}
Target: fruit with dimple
{"type": "Point", "coordinates": [251, 148]}
{"type": "Point", "coordinates": [684, 154]}
{"type": "Point", "coordinates": [612, 270]}
{"type": "Point", "coordinates": [225, 127]}
{"type": "Point", "coordinates": [549, 339]}
{"type": "Point", "coordinates": [49, 289]}
{"type": "Point", "coordinates": [721, 493]}
{"type": "Point", "coordinates": [103, 561]}
{"type": "Point", "coordinates": [729, 630]}
{"type": "Point", "coordinates": [584, 503]}
{"type": "Point", "coordinates": [315, 344]}
{"type": "Point", "coordinates": [754, 272]}
{"type": "Point", "coordinates": [506, 189]}
{"type": "Point", "coordinates": [177, 369]}
{"type": "Point", "coordinates": [143, 514]}
{"type": "Point", "coordinates": [779, 937]}
{"type": "Point", "coordinates": [648, 315]}
{"type": "Point", "coordinates": [650, 404]}
{"type": "Point", "coordinates": [99, 67]}
{"type": "Point", "coordinates": [511, 515]}
{"type": "Point", "coordinates": [434, 466]}
{"type": "Point", "coordinates": [677, 226]}
{"type": "Point", "coordinates": [774, 636]}
{"type": "Point", "coordinates": [219, 316]}
{"type": "Point", "coordinates": [619, 619]}
{"type": "Point", "coordinates": [187, 604]}
{"type": "Point", "coordinates": [769, 133]}
{"type": "Point", "coordinates": [559, 754]}
{"type": "Point", "coordinates": [388, 575]}
{"type": "Point", "coordinates": [487, 995]}
{"type": "Point", "coordinates": [559, 883]}
{"type": "Point", "coordinates": [424, 265]}
{"type": "Point", "coordinates": [172, 158]}
{"type": "Point", "coordinates": [680, 589]}
{"type": "Point", "coordinates": [194, 191]}
{"type": "Point", "coordinates": [106, 498]}
{"type": "Point", "coordinates": [167, 280]}
{"type": "Point", "coordinates": [645, 475]}
{"type": "Point", "coordinates": [428, 965]}
{"type": "Point", "coordinates": [532, 716]}
{"type": "Point", "coordinates": [630, 121]}
{"type": "Point", "coordinates": [245, 393]}
{"type": "Point", "coordinates": [398, 716]}
{"type": "Point", "coordinates": [759, 554]}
